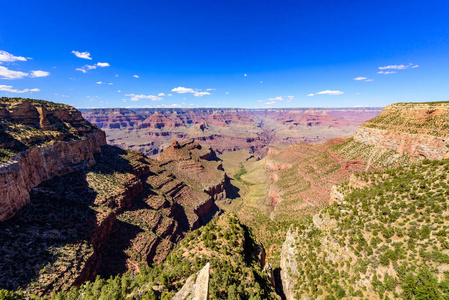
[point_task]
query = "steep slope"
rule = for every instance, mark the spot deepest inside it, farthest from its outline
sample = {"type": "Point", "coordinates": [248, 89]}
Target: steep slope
{"type": "Point", "coordinates": [236, 271]}
{"type": "Point", "coordinates": [38, 141]}
{"type": "Point", "coordinates": [122, 213]}
{"type": "Point", "coordinates": [387, 240]}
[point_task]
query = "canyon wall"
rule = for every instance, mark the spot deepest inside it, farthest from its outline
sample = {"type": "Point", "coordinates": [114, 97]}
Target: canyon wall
{"type": "Point", "coordinates": [416, 129]}
{"type": "Point", "coordinates": [44, 140]}
{"type": "Point", "coordinates": [225, 130]}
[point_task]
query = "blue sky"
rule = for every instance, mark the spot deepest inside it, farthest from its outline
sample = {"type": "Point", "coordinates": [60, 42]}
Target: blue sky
{"type": "Point", "coordinates": [225, 53]}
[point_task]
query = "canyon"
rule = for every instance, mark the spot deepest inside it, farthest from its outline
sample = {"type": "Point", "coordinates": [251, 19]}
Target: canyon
{"type": "Point", "coordinates": [74, 207]}
{"type": "Point", "coordinates": [225, 130]}
{"type": "Point", "coordinates": [250, 198]}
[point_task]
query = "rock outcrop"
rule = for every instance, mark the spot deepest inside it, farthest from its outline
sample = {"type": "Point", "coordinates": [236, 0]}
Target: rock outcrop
{"type": "Point", "coordinates": [416, 129]}
{"type": "Point", "coordinates": [195, 289]}
{"type": "Point", "coordinates": [49, 140]}
{"type": "Point", "coordinates": [289, 266]}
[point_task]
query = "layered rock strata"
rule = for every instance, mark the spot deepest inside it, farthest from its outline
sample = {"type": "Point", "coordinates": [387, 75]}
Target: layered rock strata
{"type": "Point", "coordinates": [47, 140]}
{"type": "Point", "coordinates": [416, 129]}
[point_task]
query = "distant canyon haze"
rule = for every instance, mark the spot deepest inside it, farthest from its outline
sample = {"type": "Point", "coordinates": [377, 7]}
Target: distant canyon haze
{"type": "Point", "coordinates": [226, 129]}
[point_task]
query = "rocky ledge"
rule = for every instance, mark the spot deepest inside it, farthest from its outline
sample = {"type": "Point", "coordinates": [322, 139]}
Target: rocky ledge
{"type": "Point", "coordinates": [416, 129]}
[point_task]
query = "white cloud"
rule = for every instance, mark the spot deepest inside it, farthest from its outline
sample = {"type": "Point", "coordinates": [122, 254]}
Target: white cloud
{"type": "Point", "coordinates": [119, 91]}
{"type": "Point", "coordinates": [39, 73]}
{"type": "Point", "coordinates": [398, 67]}
{"type": "Point", "coordinates": [135, 97]}
{"type": "Point", "coordinates": [183, 90]}
{"type": "Point", "coordinates": [227, 93]}
{"type": "Point", "coordinates": [245, 75]}
{"type": "Point", "coordinates": [290, 97]}
{"type": "Point", "coordinates": [169, 95]}
{"type": "Point", "coordinates": [92, 67]}
{"type": "Point", "coordinates": [9, 89]}
{"type": "Point", "coordinates": [99, 82]}
{"type": "Point", "coordinates": [110, 83]}
{"type": "Point", "coordinates": [8, 57]}
{"type": "Point", "coordinates": [210, 89]}
{"type": "Point", "coordinates": [386, 72]}
{"type": "Point", "coordinates": [394, 67]}
{"type": "Point", "coordinates": [195, 92]}
{"type": "Point", "coordinates": [329, 92]}
{"type": "Point", "coordinates": [85, 55]}
{"type": "Point", "coordinates": [6, 73]}
{"type": "Point", "coordinates": [271, 102]}
{"type": "Point", "coordinates": [136, 76]}
{"type": "Point", "coordinates": [278, 98]}
{"type": "Point", "coordinates": [201, 94]}
{"type": "Point", "coordinates": [161, 94]}
{"type": "Point", "coordinates": [362, 79]}
{"type": "Point", "coordinates": [102, 65]}
{"type": "Point", "coordinates": [81, 69]}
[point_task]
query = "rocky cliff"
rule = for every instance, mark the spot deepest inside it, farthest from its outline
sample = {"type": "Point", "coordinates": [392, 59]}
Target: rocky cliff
{"type": "Point", "coordinates": [38, 141]}
{"type": "Point", "coordinates": [416, 129]}
{"type": "Point", "coordinates": [73, 208]}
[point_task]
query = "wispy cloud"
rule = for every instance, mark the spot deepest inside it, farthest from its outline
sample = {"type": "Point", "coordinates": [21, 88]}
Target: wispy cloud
{"type": "Point", "coordinates": [195, 92]}
{"type": "Point", "coordinates": [278, 98]}
{"type": "Point", "coordinates": [99, 82]}
{"type": "Point", "coordinates": [327, 92]}
{"type": "Point", "coordinates": [85, 55]}
{"type": "Point", "coordinates": [8, 57]}
{"type": "Point", "coordinates": [9, 89]}
{"type": "Point", "coordinates": [270, 102]}
{"type": "Point", "coordinates": [396, 67]}
{"type": "Point", "coordinates": [92, 67]}
{"type": "Point", "coordinates": [136, 76]}
{"type": "Point", "coordinates": [161, 94]}
{"type": "Point", "coordinates": [362, 79]}
{"type": "Point", "coordinates": [386, 72]}
{"type": "Point", "coordinates": [135, 97]}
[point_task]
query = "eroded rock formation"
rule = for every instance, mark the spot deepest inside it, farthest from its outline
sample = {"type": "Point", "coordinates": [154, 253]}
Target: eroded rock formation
{"type": "Point", "coordinates": [225, 130]}
{"type": "Point", "coordinates": [416, 129]}
{"type": "Point", "coordinates": [45, 140]}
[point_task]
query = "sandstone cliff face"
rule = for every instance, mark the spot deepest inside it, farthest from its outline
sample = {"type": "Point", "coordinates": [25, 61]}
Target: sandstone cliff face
{"type": "Point", "coordinates": [417, 145]}
{"type": "Point", "coordinates": [416, 129]}
{"type": "Point", "coordinates": [47, 150]}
